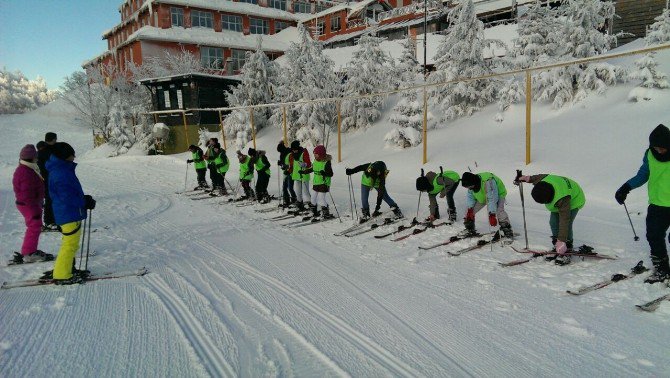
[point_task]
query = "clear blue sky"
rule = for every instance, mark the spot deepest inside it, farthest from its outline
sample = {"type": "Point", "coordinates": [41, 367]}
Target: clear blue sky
{"type": "Point", "coordinates": [51, 38]}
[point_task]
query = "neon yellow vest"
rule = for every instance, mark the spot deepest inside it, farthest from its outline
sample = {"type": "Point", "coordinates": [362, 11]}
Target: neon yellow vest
{"type": "Point", "coordinates": [448, 174]}
{"type": "Point", "coordinates": [367, 180]}
{"type": "Point", "coordinates": [218, 162]}
{"type": "Point", "coordinates": [658, 186]}
{"type": "Point", "coordinates": [295, 175]}
{"type": "Point", "coordinates": [259, 165]}
{"type": "Point", "coordinates": [563, 187]}
{"type": "Point", "coordinates": [480, 195]}
{"type": "Point", "coordinates": [246, 173]}
{"type": "Point", "coordinates": [320, 166]}
{"type": "Point", "coordinates": [198, 162]}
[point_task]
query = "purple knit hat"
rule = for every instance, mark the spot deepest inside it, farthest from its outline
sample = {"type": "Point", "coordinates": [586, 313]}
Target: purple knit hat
{"type": "Point", "coordinates": [28, 152]}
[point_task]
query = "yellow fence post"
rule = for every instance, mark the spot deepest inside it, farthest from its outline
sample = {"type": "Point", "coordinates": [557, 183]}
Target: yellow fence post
{"type": "Point", "coordinates": [253, 129]}
{"type": "Point", "coordinates": [529, 99]}
{"type": "Point", "coordinates": [425, 126]}
{"type": "Point", "coordinates": [183, 115]}
{"type": "Point", "coordinates": [339, 132]}
{"type": "Point", "coordinates": [223, 132]}
{"type": "Point", "coordinates": [283, 119]}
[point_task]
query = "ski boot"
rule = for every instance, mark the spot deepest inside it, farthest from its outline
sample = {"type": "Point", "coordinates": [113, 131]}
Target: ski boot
{"type": "Point", "coordinates": [661, 271]}
{"type": "Point", "coordinates": [315, 210]}
{"type": "Point", "coordinates": [469, 229]}
{"type": "Point", "coordinates": [38, 256]}
{"type": "Point", "coordinates": [564, 259]}
{"type": "Point", "coordinates": [452, 215]}
{"type": "Point", "coordinates": [325, 213]}
{"type": "Point", "coordinates": [365, 216]}
{"type": "Point", "coordinates": [397, 213]}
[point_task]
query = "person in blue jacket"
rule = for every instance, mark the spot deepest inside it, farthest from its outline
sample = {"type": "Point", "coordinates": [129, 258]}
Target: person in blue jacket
{"type": "Point", "coordinates": [69, 206]}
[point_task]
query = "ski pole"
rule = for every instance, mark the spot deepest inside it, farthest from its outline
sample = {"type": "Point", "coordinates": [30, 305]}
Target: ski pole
{"type": "Point", "coordinates": [523, 205]}
{"type": "Point", "coordinates": [418, 204]}
{"type": "Point", "coordinates": [353, 193]}
{"type": "Point", "coordinates": [636, 238]}
{"type": "Point", "coordinates": [279, 193]}
{"type": "Point", "coordinates": [186, 176]}
{"type": "Point", "coordinates": [335, 206]}
{"type": "Point", "coordinates": [83, 238]}
{"type": "Point", "coordinates": [88, 241]}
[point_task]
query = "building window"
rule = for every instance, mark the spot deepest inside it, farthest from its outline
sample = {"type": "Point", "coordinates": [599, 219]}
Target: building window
{"type": "Point", "coordinates": [177, 15]}
{"type": "Point", "coordinates": [238, 57]}
{"type": "Point", "coordinates": [231, 22]}
{"type": "Point", "coordinates": [248, 1]}
{"type": "Point", "coordinates": [335, 23]}
{"type": "Point", "coordinates": [278, 4]}
{"type": "Point", "coordinates": [201, 19]}
{"type": "Point", "coordinates": [211, 57]}
{"type": "Point", "coordinates": [302, 7]}
{"type": "Point", "coordinates": [281, 25]}
{"type": "Point", "coordinates": [320, 27]}
{"type": "Point", "coordinates": [258, 26]}
{"type": "Point", "coordinates": [321, 7]}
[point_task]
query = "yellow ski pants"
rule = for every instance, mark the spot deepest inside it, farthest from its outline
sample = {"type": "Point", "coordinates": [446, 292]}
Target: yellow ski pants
{"type": "Point", "coordinates": [68, 250]}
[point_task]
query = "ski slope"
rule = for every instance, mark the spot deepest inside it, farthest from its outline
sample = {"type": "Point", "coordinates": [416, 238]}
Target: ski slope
{"type": "Point", "coordinates": [231, 293]}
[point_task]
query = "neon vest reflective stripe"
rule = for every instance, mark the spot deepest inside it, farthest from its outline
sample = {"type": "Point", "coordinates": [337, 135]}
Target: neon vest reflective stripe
{"type": "Point", "coordinates": [367, 180]}
{"type": "Point", "coordinates": [658, 186]}
{"type": "Point", "coordinates": [259, 166]}
{"type": "Point", "coordinates": [453, 176]}
{"type": "Point", "coordinates": [320, 166]}
{"type": "Point", "coordinates": [218, 163]}
{"type": "Point", "coordinates": [198, 162]}
{"type": "Point", "coordinates": [246, 173]}
{"type": "Point", "coordinates": [563, 187]}
{"type": "Point", "coordinates": [480, 195]}
{"type": "Point", "coordinates": [295, 175]}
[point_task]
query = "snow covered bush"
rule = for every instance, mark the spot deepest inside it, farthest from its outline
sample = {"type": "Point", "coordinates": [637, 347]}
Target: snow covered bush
{"type": "Point", "coordinates": [259, 78]}
{"type": "Point", "coordinates": [460, 55]}
{"type": "Point", "coordinates": [512, 92]}
{"type": "Point", "coordinates": [647, 67]}
{"type": "Point", "coordinates": [370, 71]}
{"type": "Point", "coordinates": [408, 112]}
{"type": "Point", "coordinates": [19, 95]}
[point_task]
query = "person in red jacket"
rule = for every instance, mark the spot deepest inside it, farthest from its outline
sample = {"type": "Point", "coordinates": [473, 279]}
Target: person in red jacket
{"type": "Point", "coordinates": [29, 191]}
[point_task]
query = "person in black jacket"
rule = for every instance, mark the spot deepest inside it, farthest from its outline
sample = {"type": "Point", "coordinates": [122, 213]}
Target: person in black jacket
{"type": "Point", "coordinates": [288, 194]}
{"type": "Point", "coordinates": [262, 164]}
{"type": "Point", "coordinates": [374, 176]}
{"type": "Point", "coordinates": [44, 151]}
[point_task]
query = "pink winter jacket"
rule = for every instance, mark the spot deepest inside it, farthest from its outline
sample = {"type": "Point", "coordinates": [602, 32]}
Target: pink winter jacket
{"type": "Point", "coordinates": [28, 186]}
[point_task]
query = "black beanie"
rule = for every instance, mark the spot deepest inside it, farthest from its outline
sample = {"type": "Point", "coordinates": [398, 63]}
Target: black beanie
{"type": "Point", "coordinates": [50, 137]}
{"type": "Point", "coordinates": [62, 150]}
{"type": "Point", "coordinates": [422, 184]}
{"type": "Point", "coordinates": [543, 192]}
{"type": "Point", "coordinates": [660, 137]}
{"type": "Point", "coordinates": [40, 145]}
{"type": "Point", "coordinates": [252, 152]}
{"type": "Point", "coordinates": [470, 179]}
{"type": "Point", "coordinates": [280, 147]}
{"type": "Point", "coordinates": [295, 145]}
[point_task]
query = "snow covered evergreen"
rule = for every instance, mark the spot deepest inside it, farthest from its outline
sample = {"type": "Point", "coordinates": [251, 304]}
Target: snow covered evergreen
{"type": "Point", "coordinates": [647, 66]}
{"type": "Point", "coordinates": [370, 71]}
{"type": "Point", "coordinates": [259, 77]}
{"type": "Point", "coordinates": [579, 37]}
{"type": "Point", "coordinates": [408, 112]}
{"type": "Point", "coordinates": [19, 95]}
{"type": "Point", "coordinates": [460, 55]}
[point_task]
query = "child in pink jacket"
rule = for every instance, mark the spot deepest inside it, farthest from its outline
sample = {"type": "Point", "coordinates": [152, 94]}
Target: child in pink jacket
{"type": "Point", "coordinates": [29, 192]}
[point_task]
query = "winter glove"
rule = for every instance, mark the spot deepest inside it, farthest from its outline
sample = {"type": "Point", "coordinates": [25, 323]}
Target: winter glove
{"type": "Point", "coordinates": [492, 220]}
{"type": "Point", "coordinates": [89, 202]}
{"type": "Point", "coordinates": [349, 171]}
{"type": "Point", "coordinates": [470, 215]}
{"type": "Point", "coordinates": [189, 161]}
{"type": "Point", "coordinates": [622, 193]}
{"type": "Point", "coordinates": [560, 247]}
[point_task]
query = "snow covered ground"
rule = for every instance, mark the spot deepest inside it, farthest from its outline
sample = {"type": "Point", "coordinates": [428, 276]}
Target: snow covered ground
{"type": "Point", "coordinates": [230, 293]}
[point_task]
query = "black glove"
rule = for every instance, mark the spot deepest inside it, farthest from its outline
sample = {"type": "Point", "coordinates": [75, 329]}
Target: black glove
{"type": "Point", "coordinates": [622, 193]}
{"type": "Point", "coordinates": [349, 171]}
{"type": "Point", "coordinates": [189, 161]}
{"type": "Point", "coordinates": [89, 202]}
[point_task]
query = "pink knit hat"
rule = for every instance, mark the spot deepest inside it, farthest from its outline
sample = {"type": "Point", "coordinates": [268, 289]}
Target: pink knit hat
{"type": "Point", "coordinates": [28, 152]}
{"type": "Point", "coordinates": [320, 150]}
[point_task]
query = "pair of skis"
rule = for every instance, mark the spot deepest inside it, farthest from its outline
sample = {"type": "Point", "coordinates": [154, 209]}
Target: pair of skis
{"type": "Point", "coordinates": [536, 254]}
{"type": "Point", "coordinates": [416, 231]}
{"type": "Point", "coordinates": [94, 277]}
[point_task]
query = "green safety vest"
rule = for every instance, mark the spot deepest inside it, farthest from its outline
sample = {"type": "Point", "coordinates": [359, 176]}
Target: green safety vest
{"type": "Point", "coordinates": [259, 166]}
{"type": "Point", "coordinates": [211, 157]}
{"type": "Point", "coordinates": [367, 180]}
{"type": "Point", "coordinates": [287, 161]}
{"type": "Point", "coordinates": [480, 195]}
{"type": "Point", "coordinates": [320, 166]}
{"type": "Point", "coordinates": [658, 186]}
{"type": "Point", "coordinates": [198, 162]}
{"type": "Point", "coordinates": [246, 173]}
{"type": "Point", "coordinates": [295, 175]}
{"type": "Point", "coordinates": [563, 187]}
{"type": "Point", "coordinates": [219, 162]}
{"type": "Point", "coordinates": [453, 176]}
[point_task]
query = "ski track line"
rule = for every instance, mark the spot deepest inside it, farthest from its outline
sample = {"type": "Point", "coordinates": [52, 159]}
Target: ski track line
{"type": "Point", "coordinates": [385, 308]}
{"type": "Point", "coordinates": [375, 351]}
{"type": "Point", "coordinates": [215, 363]}
{"type": "Point", "coordinates": [287, 327]}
